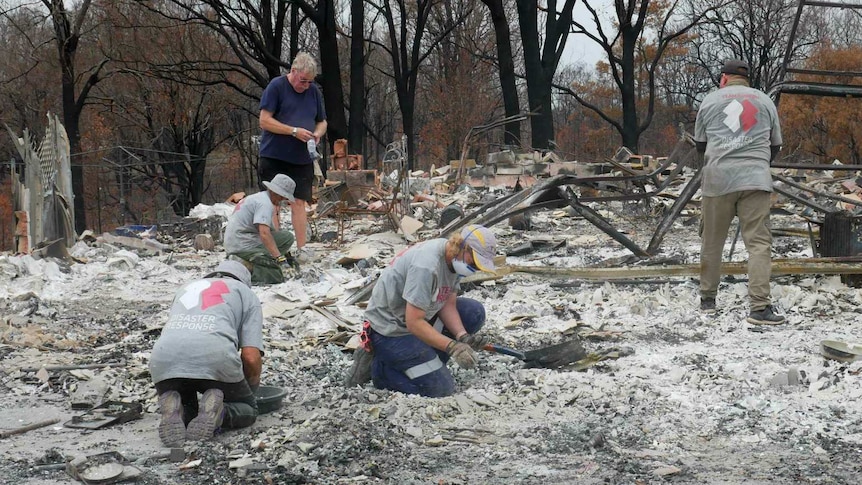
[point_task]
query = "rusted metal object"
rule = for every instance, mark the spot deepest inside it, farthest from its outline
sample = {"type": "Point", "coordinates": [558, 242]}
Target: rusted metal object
{"type": "Point", "coordinates": [343, 211]}
{"type": "Point", "coordinates": [29, 427]}
{"type": "Point", "coordinates": [841, 236]}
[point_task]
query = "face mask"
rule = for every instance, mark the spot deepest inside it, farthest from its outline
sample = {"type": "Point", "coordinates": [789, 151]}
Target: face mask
{"type": "Point", "coordinates": [462, 269]}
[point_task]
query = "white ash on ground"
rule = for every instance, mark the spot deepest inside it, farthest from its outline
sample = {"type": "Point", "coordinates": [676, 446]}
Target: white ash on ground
{"type": "Point", "coordinates": [702, 399]}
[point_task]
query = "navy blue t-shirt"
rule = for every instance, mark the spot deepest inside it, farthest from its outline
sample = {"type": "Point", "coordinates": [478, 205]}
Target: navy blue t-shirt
{"type": "Point", "coordinates": [303, 110]}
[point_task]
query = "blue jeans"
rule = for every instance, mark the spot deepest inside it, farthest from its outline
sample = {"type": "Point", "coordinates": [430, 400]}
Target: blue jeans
{"type": "Point", "coordinates": [411, 366]}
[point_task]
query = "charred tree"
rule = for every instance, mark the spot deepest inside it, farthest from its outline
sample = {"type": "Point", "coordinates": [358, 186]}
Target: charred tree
{"type": "Point", "coordinates": [506, 65]}
{"type": "Point", "coordinates": [633, 60]}
{"type": "Point", "coordinates": [541, 61]}
{"type": "Point", "coordinates": [355, 126]}
{"type": "Point", "coordinates": [406, 26]}
{"type": "Point", "coordinates": [67, 29]}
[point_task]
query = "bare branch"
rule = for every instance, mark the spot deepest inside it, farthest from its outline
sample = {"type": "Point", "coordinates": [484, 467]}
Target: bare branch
{"type": "Point", "coordinates": [591, 107]}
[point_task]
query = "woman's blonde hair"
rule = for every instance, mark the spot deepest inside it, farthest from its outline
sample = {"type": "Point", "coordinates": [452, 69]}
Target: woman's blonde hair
{"type": "Point", "coordinates": [454, 245]}
{"type": "Point", "coordinates": [305, 64]}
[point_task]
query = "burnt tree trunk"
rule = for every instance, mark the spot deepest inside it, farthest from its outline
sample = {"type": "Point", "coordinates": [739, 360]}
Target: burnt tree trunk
{"type": "Point", "coordinates": [631, 131]}
{"type": "Point", "coordinates": [294, 30]}
{"type": "Point", "coordinates": [272, 35]}
{"type": "Point", "coordinates": [323, 16]}
{"type": "Point", "coordinates": [68, 34]}
{"type": "Point", "coordinates": [506, 62]}
{"type": "Point", "coordinates": [538, 87]}
{"type": "Point", "coordinates": [333, 92]}
{"type": "Point", "coordinates": [355, 126]}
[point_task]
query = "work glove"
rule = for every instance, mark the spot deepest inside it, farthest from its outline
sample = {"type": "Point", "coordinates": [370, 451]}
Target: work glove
{"type": "Point", "coordinates": [289, 265]}
{"type": "Point", "coordinates": [462, 354]}
{"type": "Point", "coordinates": [476, 342]}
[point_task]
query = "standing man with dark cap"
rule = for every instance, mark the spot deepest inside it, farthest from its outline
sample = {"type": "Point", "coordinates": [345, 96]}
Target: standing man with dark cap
{"type": "Point", "coordinates": [251, 236]}
{"type": "Point", "coordinates": [212, 344]}
{"type": "Point", "coordinates": [292, 118]}
{"type": "Point", "coordinates": [738, 133]}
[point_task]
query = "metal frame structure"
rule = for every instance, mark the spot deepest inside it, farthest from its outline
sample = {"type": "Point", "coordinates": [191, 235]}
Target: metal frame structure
{"type": "Point", "coordinates": [807, 87]}
{"type": "Point", "coordinates": [343, 212]}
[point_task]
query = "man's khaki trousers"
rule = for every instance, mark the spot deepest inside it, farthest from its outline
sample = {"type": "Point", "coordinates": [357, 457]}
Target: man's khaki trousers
{"type": "Point", "coordinates": [752, 208]}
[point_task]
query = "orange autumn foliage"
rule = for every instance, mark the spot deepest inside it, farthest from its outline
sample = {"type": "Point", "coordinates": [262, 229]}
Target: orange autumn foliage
{"type": "Point", "coordinates": [823, 129]}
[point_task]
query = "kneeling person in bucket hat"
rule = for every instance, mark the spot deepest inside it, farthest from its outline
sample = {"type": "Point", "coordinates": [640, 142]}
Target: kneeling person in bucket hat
{"type": "Point", "coordinates": [212, 344]}
{"type": "Point", "coordinates": [415, 322]}
{"type": "Point", "coordinates": [251, 234]}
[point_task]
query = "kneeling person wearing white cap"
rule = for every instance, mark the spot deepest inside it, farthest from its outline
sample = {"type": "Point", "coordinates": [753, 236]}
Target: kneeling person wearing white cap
{"type": "Point", "coordinates": [212, 344]}
{"type": "Point", "coordinates": [250, 234]}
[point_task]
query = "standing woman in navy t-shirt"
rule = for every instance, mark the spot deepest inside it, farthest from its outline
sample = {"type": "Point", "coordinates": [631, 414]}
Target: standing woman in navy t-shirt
{"type": "Point", "coordinates": [291, 114]}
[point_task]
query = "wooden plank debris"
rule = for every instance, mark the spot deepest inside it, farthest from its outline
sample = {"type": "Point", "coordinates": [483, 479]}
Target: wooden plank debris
{"type": "Point", "coordinates": [29, 427]}
{"type": "Point", "coordinates": [826, 266]}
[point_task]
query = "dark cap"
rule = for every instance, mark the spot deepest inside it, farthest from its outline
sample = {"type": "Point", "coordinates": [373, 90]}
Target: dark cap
{"type": "Point", "coordinates": [737, 67]}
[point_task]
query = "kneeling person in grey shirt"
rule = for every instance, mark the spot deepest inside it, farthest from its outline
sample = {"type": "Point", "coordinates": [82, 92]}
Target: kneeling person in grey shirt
{"type": "Point", "coordinates": [212, 344]}
{"type": "Point", "coordinates": [252, 234]}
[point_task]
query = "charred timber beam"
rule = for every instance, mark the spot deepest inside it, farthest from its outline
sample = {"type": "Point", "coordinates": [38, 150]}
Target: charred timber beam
{"type": "Point", "coordinates": [548, 204]}
{"type": "Point", "coordinates": [675, 210]}
{"type": "Point", "coordinates": [825, 266]}
{"type": "Point", "coordinates": [802, 200]}
{"type": "Point", "coordinates": [815, 166]}
{"type": "Point", "coordinates": [832, 4]}
{"type": "Point", "coordinates": [497, 210]}
{"type": "Point", "coordinates": [815, 72]}
{"type": "Point", "coordinates": [602, 224]}
{"type": "Point", "coordinates": [816, 191]}
{"type": "Point", "coordinates": [817, 89]}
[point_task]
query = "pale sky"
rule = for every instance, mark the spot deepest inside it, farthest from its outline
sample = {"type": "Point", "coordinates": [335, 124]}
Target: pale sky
{"type": "Point", "coordinates": [578, 47]}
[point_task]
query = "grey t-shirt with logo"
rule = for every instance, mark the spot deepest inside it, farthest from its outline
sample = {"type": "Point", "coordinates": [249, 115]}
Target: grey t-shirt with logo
{"type": "Point", "coordinates": [210, 321]}
{"type": "Point", "coordinates": [419, 276]}
{"type": "Point", "coordinates": [738, 124]}
{"type": "Point", "coordinates": [241, 233]}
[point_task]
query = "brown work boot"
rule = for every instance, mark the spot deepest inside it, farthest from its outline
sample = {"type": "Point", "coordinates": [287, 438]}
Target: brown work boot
{"type": "Point", "coordinates": [172, 430]}
{"type": "Point", "coordinates": [209, 418]}
{"type": "Point", "coordinates": [360, 371]}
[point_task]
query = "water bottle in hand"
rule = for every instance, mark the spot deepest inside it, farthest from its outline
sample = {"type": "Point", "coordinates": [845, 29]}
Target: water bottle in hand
{"type": "Point", "coordinates": [312, 148]}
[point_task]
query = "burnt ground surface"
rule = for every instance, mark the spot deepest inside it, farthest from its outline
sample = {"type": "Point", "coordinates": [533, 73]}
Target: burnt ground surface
{"type": "Point", "coordinates": [701, 400]}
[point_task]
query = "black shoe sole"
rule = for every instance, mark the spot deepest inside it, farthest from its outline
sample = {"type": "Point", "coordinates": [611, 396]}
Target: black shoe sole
{"type": "Point", "coordinates": [755, 321]}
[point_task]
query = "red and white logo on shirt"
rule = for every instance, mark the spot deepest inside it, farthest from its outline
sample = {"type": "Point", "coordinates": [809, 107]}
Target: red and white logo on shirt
{"type": "Point", "coordinates": [740, 115]}
{"type": "Point", "coordinates": [205, 293]}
